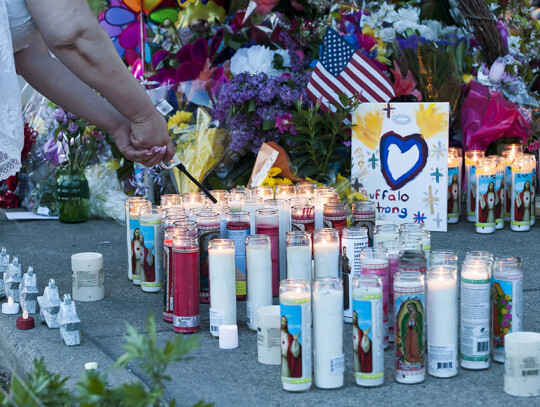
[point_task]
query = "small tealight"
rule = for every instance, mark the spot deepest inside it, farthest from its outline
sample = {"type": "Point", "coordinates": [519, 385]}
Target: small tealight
{"type": "Point", "coordinates": [25, 322]}
{"type": "Point", "coordinates": [228, 336]}
{"type": "Point", "coordinates": [10, 307]}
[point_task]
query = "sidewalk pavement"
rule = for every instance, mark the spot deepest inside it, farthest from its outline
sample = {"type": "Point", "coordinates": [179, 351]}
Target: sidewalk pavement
{"type": "Point", "coordinates": [226, 377]}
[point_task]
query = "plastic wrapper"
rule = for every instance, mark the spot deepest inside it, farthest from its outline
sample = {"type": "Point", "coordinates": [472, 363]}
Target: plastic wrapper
{"type": "Point", "coordinates": [106, 194]}
{"type": "Point", "coordinates": [49, 305]}
{"type": "Point", "coordinates": [69, 322]}
{"type": "Point", "coordinates": [29, 291]}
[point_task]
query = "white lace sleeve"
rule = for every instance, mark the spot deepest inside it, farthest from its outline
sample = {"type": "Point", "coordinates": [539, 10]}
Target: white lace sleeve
{"type": "Point", "coordinates": [11, 124]}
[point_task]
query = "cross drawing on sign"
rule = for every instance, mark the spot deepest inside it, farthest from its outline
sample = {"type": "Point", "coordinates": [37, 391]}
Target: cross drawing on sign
{"type": "Point", "coordinates": [431, 200]}
{"type": "Point", "coordinates": [373, 160]}
{"type": "Point", "coordinates": [438, 220]}
{"type": "Point", "coordinates": [357, 184]}
{"type": "Point", "coordinates": [437, 174]}
{"type": "Point", "coordinates": [388, 109]}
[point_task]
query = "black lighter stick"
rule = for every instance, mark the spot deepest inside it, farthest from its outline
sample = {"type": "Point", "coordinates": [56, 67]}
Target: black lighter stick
{"type": "Point", "coordinates": [206, 192]}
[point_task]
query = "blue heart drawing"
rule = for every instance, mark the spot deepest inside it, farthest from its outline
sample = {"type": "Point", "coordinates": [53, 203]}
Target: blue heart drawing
{"type": "Point", "coordinates": [404, 144]}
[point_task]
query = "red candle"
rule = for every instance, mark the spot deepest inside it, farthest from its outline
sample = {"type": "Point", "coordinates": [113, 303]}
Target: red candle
{"type": "Point", "coordinates": [25, 322]}
{"type": "Point", "coordinates": [273, 232]}
{"type": "Point", "coordinates": [186, 315]}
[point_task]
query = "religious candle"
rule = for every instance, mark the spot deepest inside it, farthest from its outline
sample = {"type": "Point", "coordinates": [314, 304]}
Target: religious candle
{"type": "Point", "coordinates": [236, 201]}
{"type": "Point", "coordinates": [409, 327]}
{"type": "Point", "coordinates": [532, 163]}
{"type": "Point", "coordinates": [208, 225]}
{"type": "Point", "coordinates": [259, 276]}
{"type": "Point", "coordinates": [374, 261]}
{"type": "Point", "coordinates": [238, 228]}
{"type": "Point", "coordinates": [454, 188]}
{"type": "Point", "coordinates": [424, 236]}
{"type": "Point", "coordinates": [149, 250]}
{"type": "Point", "coordinates": [522, 364]}
{"type": "Point", "coordinates": [221, 208]}
{"type": "Point", "coordinates": [443, 257]}
{"type": "Point", "coordinates": [295, 334]}
{"type": "Point", "coordinates": [264, 191]}
{"type": "Point", "coordinates": [168, 200]}
{"type": "Point", "coordinates": [471, 158]}
{"type": "Point", "coordinates": [283, 210]}
{"type": "Point", "coordinates": [168, 267]}
{"type": "Point", "coordinates": [193, 200]}
{"type": "Point", "coordinates": [353, 241]}
{"type": "Point", "coordinates": [222, 273]}
{"type": "Point", "coordinates": [268, 335]}
{"type": "Point", "coordinates": [329, 359]}
{"type": "Point", "coordinates": [305, 189]}
{"type": "Point", "coordinates": [363, 214]}
{"type": "Point", "coordinates": [442, 324]}
{"type": "Point", "coordinates": [251, 205]}
{"type": "Point", "coordinates": [326, 252]}
{"type": "Point", "coordinates": [392, 251]}
{"type": "Point", "coordinates": [521, 195]}
{"type": "Point", "coordinates": [499, 191]}
{"type": "Point", "coordinates": [186, 318]}
{"type": "Point", "coordinates": [170, 220]}
{"type": "Point", "coordinates": [299, 250]}
{"type": "Point", "coordinates": [412, 261]}
{"type": "Point", "coordinates": [267, 223]}
{"type": "Point", "coordinates": [194, 213]}
{"type": "Point", "coordinates": [335, 215]}
{"type": "Point", "coordinates": [485, 195]}
{"type": "Point", "coordinates": [475, 314]}
{"type": "Point", "coordinates": [221, 195]}
{"type": "Point", "coordinates": [368, 330]}
{"type": "Point", "coordinates": [507, 301]}
{"type": "Point", "coordinates": [318, 203]}
{"type": "Point", "coordinates": [383, 233]}
{"type": "Point", "coordinates": [303, 218]}
{"type": "Point", "coordinates": [133, 206]}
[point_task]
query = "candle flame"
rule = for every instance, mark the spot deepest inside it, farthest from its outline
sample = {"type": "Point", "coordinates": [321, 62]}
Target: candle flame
{"type": "Point", "coordinates": [25, 314]}
{"type": "Point", "coordinates": [10, 301]}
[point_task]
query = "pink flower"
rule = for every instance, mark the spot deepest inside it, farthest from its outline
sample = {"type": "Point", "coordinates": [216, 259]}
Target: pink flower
{"type": "Point", "coordinates": [404, 86]}
{"type": "Point", "coordinates": [265, 6]}
{"type": "Point", "coordinates": [284, 124]}
{"type": "Point", "coordinates": [297, 6]}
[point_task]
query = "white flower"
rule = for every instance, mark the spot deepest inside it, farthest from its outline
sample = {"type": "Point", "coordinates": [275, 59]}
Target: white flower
{"type": "Point", "coordinates": [257, 59]}
{"type": "Point", "coordinates": [514, 45]}
{"type": "Point", "coordinates": [402, 25]}
{"type": "Point", "coordinates": [386, 8]}
{"type": "Point", "coordinates": [408, 14]}
{"type": "Point", "coordinates": [387, 34]}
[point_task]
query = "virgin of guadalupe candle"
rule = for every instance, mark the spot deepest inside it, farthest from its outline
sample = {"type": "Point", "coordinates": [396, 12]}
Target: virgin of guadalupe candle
{"type": "Point", "coordinates": [295, 334]}
{"type": "Point", "coordinates": [283, 210]}
{"type": "Point", "coordinates": [485, 195]}
{"type": "Point", "coordinates": [499, 192]}
{"type": "Point", "coordinates": [383, 233]}
{"type": "Point", "coordinates": [374, 261]}
{"type": "Point", "coordinates": [221, 258]}
{"type": "Point", "coordinates": [409, 328]}
{"type": "Point", "coordinates": [238, 228]}
{"type": "Point", "coordinates": [326, 252]}
{"type": "Point", "coordinates": [475, 314]}
{"type": "Point", "coordinates": [442, 323]}
{"type": "Point", "coordinates": [208, 225]}
{"type": "Point", "coordinates": [392, 251]}
{"type": "Point", "coordinates": [507, 301]}
{"type": "Point", "coordinates": [168, 270]}
{"type": "Point", "coordinates": [130, 227]}
{"type": "Point", "coordinates": [471, 158]}
{"type": "Point", "coordinates": [522, 198]}
{"type": "Point", "coordinates": [259, 276]}
{"type": "Point", "coordinates": [363, 214]}
{"type": "Point", "coordinates": [134, 243]}
{"type": "Point", "coordinates": [329, 359]}
{"type": "Point", "coordinates": [368, 331]}
{"type": "Point", "coordinates": [251, 205]}
{"type": "Point", "coordinates": [193, 200]}
{"type": "Point", "coordinates": [303, 218]}
{"type": "Point", "coordinates": [267, 223]}
{"type": "Point", "coordinates": [353, 241]}
{"type": "Point", "coordinates": [299, 251]}
{"type": "Point", "coordinates": [151, 249]}
{"type": "Point", "coordinates": [335, 215]}
{"type": "Point", "coordinates": [186, 317]}
{"type": "Point", "coordinates": [454, 189]}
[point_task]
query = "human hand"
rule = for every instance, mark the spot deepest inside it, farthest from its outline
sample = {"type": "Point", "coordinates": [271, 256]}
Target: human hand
{"type": "Point", "coordinates": [152, 133]}
{"type": "Point", "coordinates": [122, 137]}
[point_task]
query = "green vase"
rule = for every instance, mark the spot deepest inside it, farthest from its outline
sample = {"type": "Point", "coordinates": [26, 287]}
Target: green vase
{"type": "Point", "coordinates": [72, 196]}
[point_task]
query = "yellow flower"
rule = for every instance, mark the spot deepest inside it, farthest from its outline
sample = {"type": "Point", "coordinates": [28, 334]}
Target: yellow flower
{"type": "Point", "coordinates": [505, 330]}
{"type": "Point", "coordinates": [271, 179]}
{"type": "Point", "coordinates": [507, 298]}
{"type": "Point", "coordinates": [180, 116]}
{"type": "Point", "coordinates": [467, 78]}
{"type": "Point", "coordinates": [504, 311]}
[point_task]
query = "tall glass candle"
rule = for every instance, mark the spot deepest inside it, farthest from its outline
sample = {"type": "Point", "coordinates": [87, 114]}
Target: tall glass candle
{"type": "Point", "coordinates": [383, 233]}
{"type": "Point", "coordinates": [195, 212]}
{"type": "Point", "coordinates": [392, 251]}
{"type": "Point", "coordinates": [303, 218]}
{"type": "Point", "coordinates": [305, 189]}
{"type": "Point", "coordinates": [287, 192]}
{"type": "Point", "coordinates": [222, 208]}
{"type": "Point", "coordinates": [238, 228]}
{"type": "Point", "coordinates": [326, 252]}
{"type": "Point", "coordinates": [443, 257]}
{"type": "Point", "coordinates": [186, 316]}
{"type": "Point", "coordinates": [299, 251]}
{"type": "Point", "coordinates": [475, 314]}
{"type": "Point", "coordinates": [507, 157]}
{"type": "Point", "coordinates": [236, 201]}
{"type": "Point", "coordinates": [486, 171]}
{"type": "Point", "coordinates": [368, 331]}
{"type": "Point", "coordinates": [259, 276]}
{"type": "Point", "coordinates": [375, 262]}
{"type": "Point", "coordinates": [471, 158]}
{"type": "Point", "coordinates": [173, 210]}
{"type": "Point", "coordinates": [221, 263]}
{"type": "Point", "coordinates": [131, 206]}
{"type": "Point", "coordinates": [507, 301]}
{"type": "Point", "coordinates": [267, 223]}
{"type": "Point", "coordinates": [323, 190]}
{"type": "Point", "coordinates": [208, 225]}
{"type": "Point", "coordinates": [409, 227]}
{"type": "Point", "coordinates": [409, 242]}
{"type": "Point", "coordinates": [532, 163]}
{"type": "Point", "coordinates": [412, 261]}
{"type": "Point", "coordinates": [151, 249]}
{"type": "Point", "coordinates": [353, 241]}
{"type": "Point", "coordinates": [442, 324]}
{"type": "Point", "coordinates": [221, 195]}
{"type": "Point", "coordinates": [168, 269]}
{"type": "Point", "coordinates": [171, 219]}
{"type": "Point", "coordinates": [363, 214]}
{"type": "Point", "coordinates": [409, 328]}
{"type": "Point", "coordinates": [480, 255]}
{"type": "Point", "coordinates": [168, 200]}
{"type": "Point", "coordinates": [251, 205]}
{"type": "Point", "coordinates": [282, 207]}
{"type": "Point", "coordinates": [318, 202]}
{"type": "Point", "coordinates": [522, 198]}
{"type": "Point", "coordinates": [295, 307]}
{"type": "Point", "coordinates": [424, 236]}
{"type": "Point", "coordinates": [335, 215]}
{"type": "Point", "coordinates": [329, 359]}
{"type": "Point", "coordinates": [454, 188]}
{"type": "Point", "coordinates": [264, 191]}
{"type": "Point", "coordinates": [189, 225]}
{"type": "Point", "coordinates": [193, 200]}
{"type": "Point", "coordinates": [499, 191]}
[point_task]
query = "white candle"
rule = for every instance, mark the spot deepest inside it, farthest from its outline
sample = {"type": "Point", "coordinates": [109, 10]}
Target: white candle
{"type": "Point", "coordinates": [299, 264]}
{"type": "Point", "coordinates": [221, 262]}
{"type": "Point", "coordinates": [326, 253]}
{"type": "Point", "coordinates": [385, 233]}
{"type": "Point", "coordinates": [251, 205]}
{"type": "Point", "coordinates": [259, 276]}
{"type": "Point", "coordinates": [329, 360]}
{"type": "Point", "coordinates": [10, 307]}
{"type": "Point", "coordinates": [521, 364]}
{"type": "Point", "coordinates": [283, 213]}
{"type": "Point", "coordinates": [268, 338]}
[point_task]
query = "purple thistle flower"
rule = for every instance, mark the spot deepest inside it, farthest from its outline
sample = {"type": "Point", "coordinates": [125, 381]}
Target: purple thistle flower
{"type": "Point", "coordinates": [59, 115]}
{"type": "Point", "coordinates": [73, 128]}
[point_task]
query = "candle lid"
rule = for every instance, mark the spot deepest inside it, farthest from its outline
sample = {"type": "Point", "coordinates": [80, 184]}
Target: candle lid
{"type": "Point", "coordinates": [86, 261]}
{"type": "Point", "coordinates": [228, 336]}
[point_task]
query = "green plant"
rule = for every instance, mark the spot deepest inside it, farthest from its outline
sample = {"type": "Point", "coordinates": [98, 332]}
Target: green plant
{"type": "Point", "coordinates": [43, 388]}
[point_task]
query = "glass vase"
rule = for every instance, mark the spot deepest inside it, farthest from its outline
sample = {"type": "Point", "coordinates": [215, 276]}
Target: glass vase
{"type": "Point", "coordinates": [72, 196]}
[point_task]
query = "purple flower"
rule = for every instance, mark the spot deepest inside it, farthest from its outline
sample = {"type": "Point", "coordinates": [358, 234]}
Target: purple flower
{"type": "Point", "coordinates": [284, 123]}
{"type": "Point", "coordinates": [503, 302]}
{"type": "Point", "coordinates": [71, 116]}
{"type": "Point", "coordinates": [347, 143]}
{"type": "Point", "coordinates": [73, 128]}
{"type": "Point", "coordinates": [508, 316]}
{"type": "Point", "coordinates": [504, 323]}
{"type": "Point", "coordinates": [59, 115]}
{"type": "Point", "coordinates": [496, 71]}
{"type": "Point", "coordinates": [508, 307]}
{"type": "Point", "coordinates": [60, 137]}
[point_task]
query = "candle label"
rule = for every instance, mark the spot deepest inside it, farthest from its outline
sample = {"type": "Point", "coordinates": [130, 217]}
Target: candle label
{"type": "Point", "coordinates": [500, 198]}
{"type": "Point", "coordinates": [186, 322]}
{"type": "Point", "coordinates": [134, 249]}
{"type": "Point", "coordinates": [350, 266]}
{"type": "Point", "coordinates": [149, 253]}
{"type": "Point", "coordinates": [522, 198]}
{"type": "Point", "coordinates": [368, 332]}
{"type": "Point", "coordinates": [167, 281]}
{"type": "Point", "coordinates": [336, 222]}
{"type": "Point", "coordinates": [337, 365]}
{"type": "Point", "coordinates": [367, 220]}
{"type": "Point", "coordinates": [249, 314]}
{"type": "Point", "coordinates": [217, 318]}
{"type": "Point", "coordinates": [508, 191]}
{"type": "Point", "coordinates": [475, 315]}
{"type": "Point", "coordinates": [206, 234]}
{"type": "Point", "coordinates": [303, 225]}
{"type": "Point", "coordinates": [409, 332]}
{"type": "Point", "coordinates": [486, 199]}
{"type": "Point", "coordinates": [223, 228]}
{"type": "Point", "coordinates": [454, 194]}
{"type": "Point", "coordinates": [393, 260]}
{"type": "Point", "coordinates": [238, 236]}
{"type": "Point", "coordinates": [441, 358]}
{"type": "Point", "coordinates": [470, 177]}
{"type": "Point", "coordinates": [507, 308]}
{"type": "Point", "coordinates": [295, 339]}
{"type": "Point", "coordinates": [268, 337]}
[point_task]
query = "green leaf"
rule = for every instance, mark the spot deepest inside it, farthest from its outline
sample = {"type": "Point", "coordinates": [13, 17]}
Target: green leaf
{"type": "Point", "coordinates": [268, 125]}
{"type": "Point", "coordinates": [252, 108]}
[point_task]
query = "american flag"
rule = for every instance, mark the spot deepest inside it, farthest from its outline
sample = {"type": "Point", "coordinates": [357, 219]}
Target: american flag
{"type": "Point", "coordinates": [343, 69]}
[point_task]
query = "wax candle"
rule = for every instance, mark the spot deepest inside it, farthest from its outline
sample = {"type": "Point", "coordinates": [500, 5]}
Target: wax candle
{"type": "Point", "coordinates": [471, 158]}
{"type": "Point", "coordinates": [318, 202]}
{"type": "Point", "coordinates": [424, 236]}
{"type": "Point", "coordinates": [238, 228]}
{"type": "Point", "coordinates": [443, 257]}
{"type": "Point", "coordinates": [305, 189]}
{"type": "Point", "coordinates": [186, 317]}
{"type": "Point", "coordinates": [171, 219]}
{"type": "Point", "coordinates": [191, 226]}
{"type": "Point", "coordinates": [168, 267]}
{"type": "Point", "coordinates": [130, 228]}
{"type": "Point", "coordinates": [507, 157]}
{"type": "Point", "coordinates": [522, 197]}
{"type": "Point", "coordinates": [221, 208]}
{"type": "Point", "coordinates": [499, 191]}
{"type": "Point", "coordinates": [221, 262]}
{"type": "Point", "coordinates": [329, 359]}
{"type": "Point", "coordinates": [295, 334]}
{"type": "Point", "coordinates": [412, 261]}
{"type": "Point", "coordinates": [264, 191]}
{"type": "Point", "coordinates": [268, 335]}
{"type": "Point", "coordinates": [392, 251]}
{"type": "Point", "coordinates": [241, 190]}
{"type": "Point", "coordinates": [259, 276]}
{"type": "Point", "coordinates": [480, 255]}
{"type": "Point", "coordinates": [196, 211]}
{"type": "Point", "coordinates": [87, 282]}
{"type": "Point", "coordinates": [251, 205]}
{"type": "Point", "coordinates": [335, 215]}
{"type": "Point", "coordinates": [299, 249]}
{"type": "Point", "coordinates": [363, 214]}
{"type": "Point", "coordinates": [133, 238]}
{"type": "Point", "coordinates": [10, 307]}
{"type": "Point", "coordinates": [221, 195]}
{"type": "Point", "coordinates": [409, 328]}
{"type": "Point", "coordinates": [267, 223]}
{"type": "Point", "coordinates": [149, 249]}
{"type": "Point", "coordinates": [287, 192]}
{"type": "Point", "coordinates": [409, 242]}
{"type": "Point", "coordinates": [353, 241]}
{"type": "Point", "coordinates": [475, 314]}
{"type": "Point", "coordinates": [485, 196]}
{"type": "Point", "coordinates": [25, 322]}
{"type": "Point", "coordinates": [383, 233]}
{"type": "Point", "coordinates": [326, 252]}
{"type": "Point", "coordinates": [454, 188]}
{"type": "Point", "coordinates": [532, 163]}
{"type": "Point", "coordinates": [168, 200]}
{"type": "Point", "coordinates": [303, 218]}
{"type": "Point", "coordinates": [236, 201]}
{"type": "Point", "coordinates": [442, 324]}
{"type": "Point", "coordinates": [407, 227]}
{"type": "Point", "coordinates": [193, 200]}
{"type": "Point", "coordinates": [323, 190]}
{"type": "Point", "coordinates": [283, 211]}
{"type": "Point", "coordinates": [368, 330]}
{"type": "Point", "coordinates": [507, 301]}
{"type": "Point", "coordinates": [208, 225]}
{"type": "Point", "coordinates": [521, 364]}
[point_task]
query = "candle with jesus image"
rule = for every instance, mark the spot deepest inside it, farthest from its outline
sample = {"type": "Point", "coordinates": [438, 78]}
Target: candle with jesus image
{"type": "Point", "coordinates": [149, 250]}
{"type": "Point", "coordinates": [454, 187]}
{"type": "Point", "coordinates": [486, 197]}
{"type": "Point", "coordinates": [522, 196]}
{"type": "Point", "coordinates": [471, 158]}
